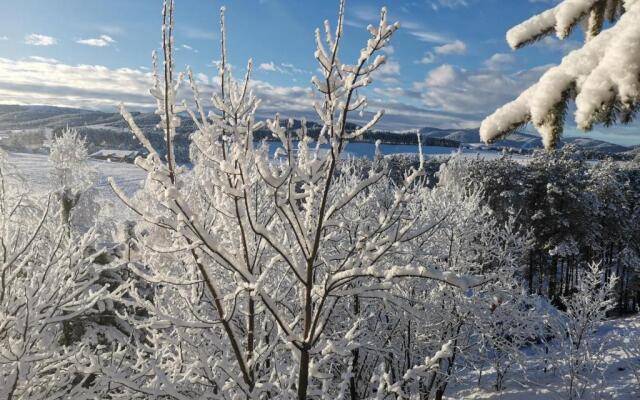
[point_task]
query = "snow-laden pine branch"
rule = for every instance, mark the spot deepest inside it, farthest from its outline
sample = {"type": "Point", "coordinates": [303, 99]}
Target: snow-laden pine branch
{"type": "Point", "coordinates": [603, 76]}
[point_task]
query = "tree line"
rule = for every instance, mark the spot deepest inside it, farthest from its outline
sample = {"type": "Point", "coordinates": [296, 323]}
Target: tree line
{"type": "Point", "coordinates": [577, 212]}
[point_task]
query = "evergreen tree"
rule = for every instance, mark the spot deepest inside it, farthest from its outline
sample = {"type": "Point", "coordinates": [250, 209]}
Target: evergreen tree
{"type": "Point", "coordinates": [603, 76]}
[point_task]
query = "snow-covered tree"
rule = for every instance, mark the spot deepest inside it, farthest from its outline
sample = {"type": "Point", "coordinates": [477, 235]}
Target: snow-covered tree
{"type": "Point", "coordinates": [417, 341]}
{"type": "Point", "coordinates": [506, 328]}
{"type": "Point", "coordinates": [49, 289]}
{"type": "Point", "coordinates": [580, 352]}
{"type": "Point", "coordinates": [71, 175]}
{"type": "Point", "coordinates": [494, 321]}
{"type": "Point", "coordinates": [603, 76]}
{"type": "Point", "coordinates": [257, 260]}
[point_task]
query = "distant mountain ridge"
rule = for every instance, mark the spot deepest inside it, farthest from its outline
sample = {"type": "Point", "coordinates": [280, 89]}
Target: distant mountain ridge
{"type": "Point", "coordinates": [520, 140]}
{"type": "Point", "coordinates": [17, 118]}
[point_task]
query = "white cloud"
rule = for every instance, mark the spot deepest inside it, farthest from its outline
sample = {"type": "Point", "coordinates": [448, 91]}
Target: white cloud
{"type": "Point", "coordinates": [441, 76]}
{"type": "Point", "coordinates": [36, 39]}
{"type": "Point", "coordinates": [85, 86]}
{"type": "Point", "coordinates": [391, 92]}
{"type": "Point", "coordinates": [418, 31]}
{"type": "Point", "coordinates": [101, 41]}
{"type": "Point", "coordinates": [554, 44]}
{"type": "Point", "coordinates": [428, 58]}
{"type": "Point", "coordinates": [400, 115]}
{"type": "Point", "coordinates": [187, 47]}
{"type": "Point", "coordinates": [270, 66]}
{"type": "Point", "coordinates": [448, 97]}
{"type": "Point", "coordinates": [44, 59]}
{"type": "Point", "coordinates": [202, 78]}
{"type": "Point", "coordinates": [449, 4]}
{"type": "Point", "coordinates": [102, 88]}
{"type": "Point", "coordinates": [3, 38]}
{"type": "Point", "coordinates": [364, 15]}
{"type": "Point", "coordinates": [473, 94]}
{"type": "Point", "coordinates": [388, 72]}
{"type": "Point", "coordinates": [292, 69]}
{"type": "Point", "coordinates": [499, 61]}
{"type": "Point", "coordinates": [428, 37]}
{"type": "Point", "coordinates": [455, 47]}
{"type": "Point", "coordinates": [283, 68]}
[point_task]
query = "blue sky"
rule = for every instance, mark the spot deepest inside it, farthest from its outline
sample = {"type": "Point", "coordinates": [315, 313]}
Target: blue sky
{"type": "Point", "coordinates": [448, 66]}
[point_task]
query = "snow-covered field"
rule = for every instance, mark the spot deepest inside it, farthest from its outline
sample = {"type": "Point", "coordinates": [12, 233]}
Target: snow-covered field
{"type": "Point", "coordinates": [617, 380]}
{"type": "Point", "coordinates": [34, 169]}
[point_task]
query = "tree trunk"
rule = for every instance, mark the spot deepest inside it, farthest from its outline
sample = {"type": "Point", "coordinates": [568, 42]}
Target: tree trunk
{"type": "Point", "coordinates": [355, 353]}
{"type": "Point", "coordinates": [553, 272]}
{"type": "Point", "coordinates": [303, 371]}
{"type": "Point", "coordinates": [303, 374]}
{"type": "Point", "coordinates": [531, 273]}
{"type": "Point", "coordinates": [251, 320]}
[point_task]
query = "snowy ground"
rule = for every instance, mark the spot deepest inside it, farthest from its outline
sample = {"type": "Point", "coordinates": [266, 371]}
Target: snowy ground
{"type": "Point", "coordinates": [34, 169]}
{"type": "Point", "coordinates": [616, 381]}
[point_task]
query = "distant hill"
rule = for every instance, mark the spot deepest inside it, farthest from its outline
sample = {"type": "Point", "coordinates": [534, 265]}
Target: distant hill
{"type": "Point", "coordinates": [595, 145]}
{"type": "Point", "coordinates": [13, 117]}
{"type": "Point", "coordinates": [26, 128]}
{"type": "Point", "coordinates": [516, 141]}
{"type": "Point", "coordinates": [23, 128]}
{"type": "Point", "coordinates": [525, 141]}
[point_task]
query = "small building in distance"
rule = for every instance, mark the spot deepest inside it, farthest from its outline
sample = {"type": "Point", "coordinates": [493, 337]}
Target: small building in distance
{"type": "Point", "coordinates": [127, 156]}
